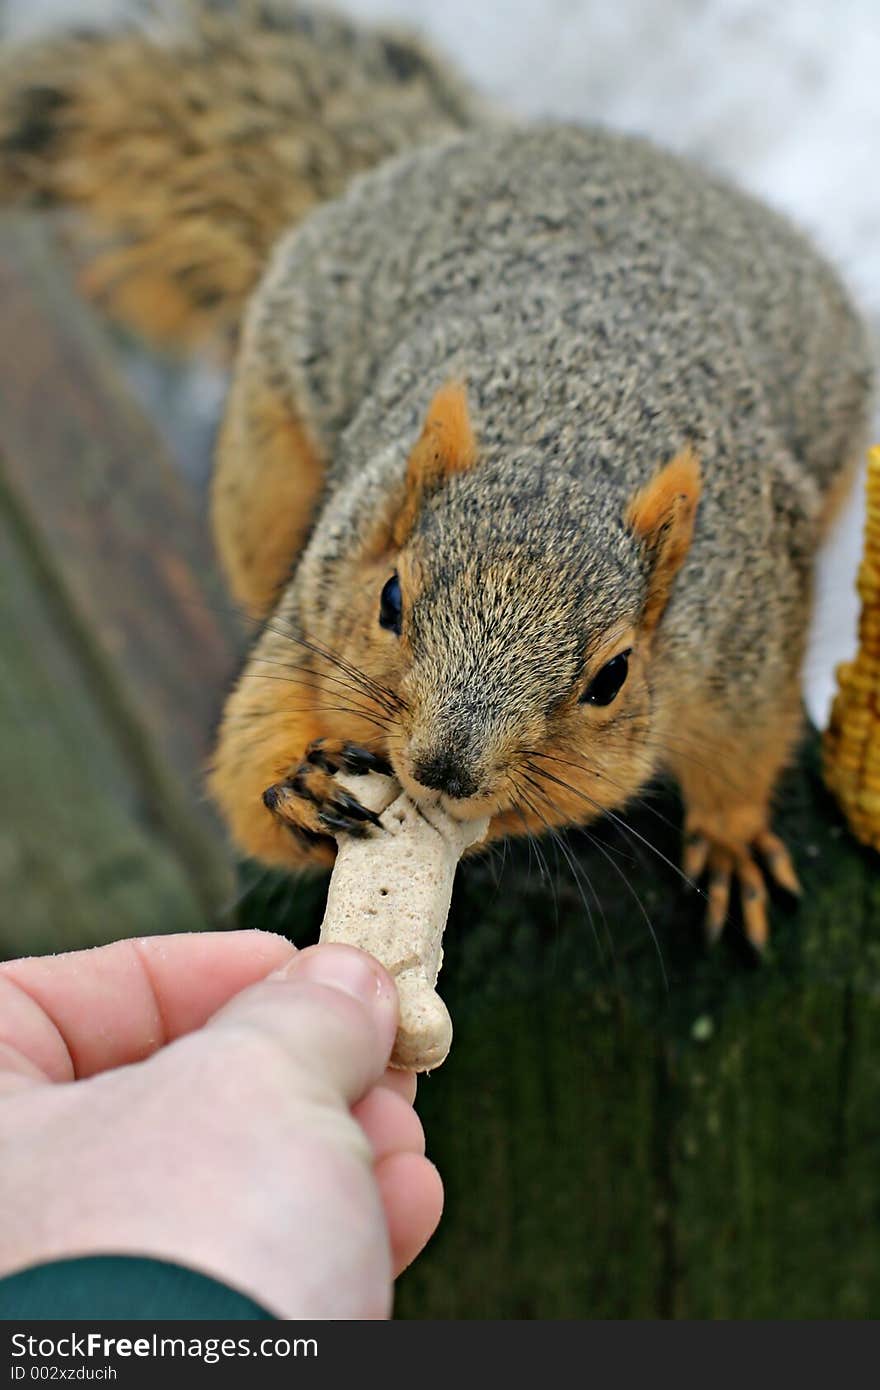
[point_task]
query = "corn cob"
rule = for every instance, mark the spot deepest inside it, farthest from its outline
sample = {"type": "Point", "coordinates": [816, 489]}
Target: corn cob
{"type": "Point", "coordinates": [851, 744]}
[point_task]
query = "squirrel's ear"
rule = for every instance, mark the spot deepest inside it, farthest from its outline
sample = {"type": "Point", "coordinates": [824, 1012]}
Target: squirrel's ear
{"type": "Point", "coordinates": [662, 515]}
{"type": "Point", "coordinates": [445, 446]}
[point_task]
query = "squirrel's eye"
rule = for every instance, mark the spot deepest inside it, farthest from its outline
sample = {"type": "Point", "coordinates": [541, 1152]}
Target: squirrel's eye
{"type": "Point", "coordinates": [391, 605]}
{"type": "Point", "coordinates": [606, 685]}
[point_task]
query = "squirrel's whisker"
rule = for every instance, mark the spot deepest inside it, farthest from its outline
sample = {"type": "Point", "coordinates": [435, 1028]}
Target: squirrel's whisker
{"type": "Point", "coordinates": [316, 685]}
{"type": "Point", "coordinates": [310, 670]}
{"type": "Point", "coordinates": [518, 792]}
{"type": "Point", "coordinates": [600, 773]}
{"type": "Point", "coordinates": [543, 867]}
{"type": "Point", "coordinates": [618, 820]}
{"type": "Point", "coordinates": [339, 709]}
{"type": "Point", "coordinates": [570, 860]}
{"type": "Point", "coordinates": [380, 692]}
{"type": "Point", "coordinates": [492, 854]}
{"type": "Point", "coordinates": [574, 862]}
{"type": "Point", "coordinates": [632, 891]}
{"type": "Point", "coordinates": [368, 686]}
{"type": "Point", "coordinates": [603, 850]}
{"type": "Point", "coordinates": [322, 709]}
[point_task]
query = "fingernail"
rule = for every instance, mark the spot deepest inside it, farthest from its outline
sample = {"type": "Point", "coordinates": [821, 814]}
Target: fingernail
{"type": "Point", "coordinates": [344, 968]}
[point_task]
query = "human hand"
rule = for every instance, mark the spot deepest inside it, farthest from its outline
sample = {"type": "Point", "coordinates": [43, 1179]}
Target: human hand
{"type": "Point", "coordinates": [218, 1100]}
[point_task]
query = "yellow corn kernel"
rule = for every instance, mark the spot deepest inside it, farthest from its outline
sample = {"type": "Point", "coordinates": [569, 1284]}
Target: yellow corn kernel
{"type": "Point", "coordinates": [851, 743]}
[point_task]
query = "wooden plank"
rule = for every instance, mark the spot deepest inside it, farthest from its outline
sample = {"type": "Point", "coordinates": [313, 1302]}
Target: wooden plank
{"type": "Point", "coordinates": [122, 536]}
{"type": "Point", "coordinates": [82, 859]}
{"type": "Point", "coordinates": [616, 1146]}
{"type": "Point", "coordinates": [781, 1117]}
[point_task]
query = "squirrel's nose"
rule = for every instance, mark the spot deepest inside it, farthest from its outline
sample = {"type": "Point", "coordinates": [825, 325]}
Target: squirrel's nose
{"type": "Point", "coordinates": [443, 772]}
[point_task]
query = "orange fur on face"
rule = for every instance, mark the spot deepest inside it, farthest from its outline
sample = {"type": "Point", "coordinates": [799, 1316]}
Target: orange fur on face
{"type": "Point", "coordinates": [445, 446]}
{"type": "Point", "coordinates": [662, 514]}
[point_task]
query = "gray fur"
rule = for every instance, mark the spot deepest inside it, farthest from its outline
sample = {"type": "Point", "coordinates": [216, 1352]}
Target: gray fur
{"type": "Point", "coordinates": [605, 302]}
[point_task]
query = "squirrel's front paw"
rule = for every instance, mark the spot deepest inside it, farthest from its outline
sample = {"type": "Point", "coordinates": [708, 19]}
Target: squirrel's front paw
{"type": "Point", "coordinates": [710, 849]}
{"type": "Point", "coordinates": [312, 804]}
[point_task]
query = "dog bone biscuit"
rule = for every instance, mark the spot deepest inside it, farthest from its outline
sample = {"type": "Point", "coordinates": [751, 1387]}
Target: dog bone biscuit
{"type": "Point", "coordinates": [389, 894]}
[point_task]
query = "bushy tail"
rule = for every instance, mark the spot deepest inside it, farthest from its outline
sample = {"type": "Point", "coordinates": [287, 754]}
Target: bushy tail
{"type": "Point", "coordinates": [192, 143]}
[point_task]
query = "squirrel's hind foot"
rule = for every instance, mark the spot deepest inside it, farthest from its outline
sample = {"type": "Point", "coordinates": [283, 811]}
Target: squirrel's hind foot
{"type": "Point", "coordinates": [708, 850]}
{"type": "Point", "coordinates": [728, 793]}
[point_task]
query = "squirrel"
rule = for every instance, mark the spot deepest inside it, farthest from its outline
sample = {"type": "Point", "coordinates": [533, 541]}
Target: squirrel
{"type": "Point", "coordinates": [532, 434]}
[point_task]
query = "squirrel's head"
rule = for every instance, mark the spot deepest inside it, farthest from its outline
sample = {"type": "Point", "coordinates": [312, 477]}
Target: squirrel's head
{"type": "Point", "coordinates": [514, 615]}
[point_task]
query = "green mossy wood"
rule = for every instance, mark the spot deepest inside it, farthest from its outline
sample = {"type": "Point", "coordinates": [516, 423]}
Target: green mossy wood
{"type": "Point", "coordinates": [616, 1144]}
{"type": "Point", "coordinates": [628, 1125]}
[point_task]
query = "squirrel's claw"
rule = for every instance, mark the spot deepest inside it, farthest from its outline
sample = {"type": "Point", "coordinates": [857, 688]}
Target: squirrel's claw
{"type": "Point", "coordinates": [360, 761]}
{"type": "Point", "coordinates": [724, 863]}
{"type": "Point", "coordinates": [310, 801]}
{"type": "Point", "coordinates": [347, 757]}
{"type": "Point", "coordinates": [720, 873]}
{"type": "Point", "coordinates": [778, 861]}
{"type": "Point", "coordinates": [696, 857]}
{"type": "Point", "coordinates": [335, 823]}
{"type": "Point", "coordinates": [350, 809]}
{"type": "Point", "coordinates": [725, 866]}
{"type": "Point", "coordinates": [753, 896]}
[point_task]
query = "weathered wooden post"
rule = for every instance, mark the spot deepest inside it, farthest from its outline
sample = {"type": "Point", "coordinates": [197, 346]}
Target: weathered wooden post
{"type": "Point", "coordinates": [115, 644]}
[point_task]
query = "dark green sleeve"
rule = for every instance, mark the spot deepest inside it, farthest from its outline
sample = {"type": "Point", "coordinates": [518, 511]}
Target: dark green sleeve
{"type": "Point", "coordinates": [120, 1287]}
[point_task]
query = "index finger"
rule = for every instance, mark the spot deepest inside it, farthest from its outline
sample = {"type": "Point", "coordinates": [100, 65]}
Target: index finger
{"type": "Point", "coordinates": [72, 1015]}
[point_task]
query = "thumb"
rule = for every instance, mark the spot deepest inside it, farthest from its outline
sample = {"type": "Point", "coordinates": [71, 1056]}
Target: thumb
{"type": "Point", "coordinates": [331, 1011]}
